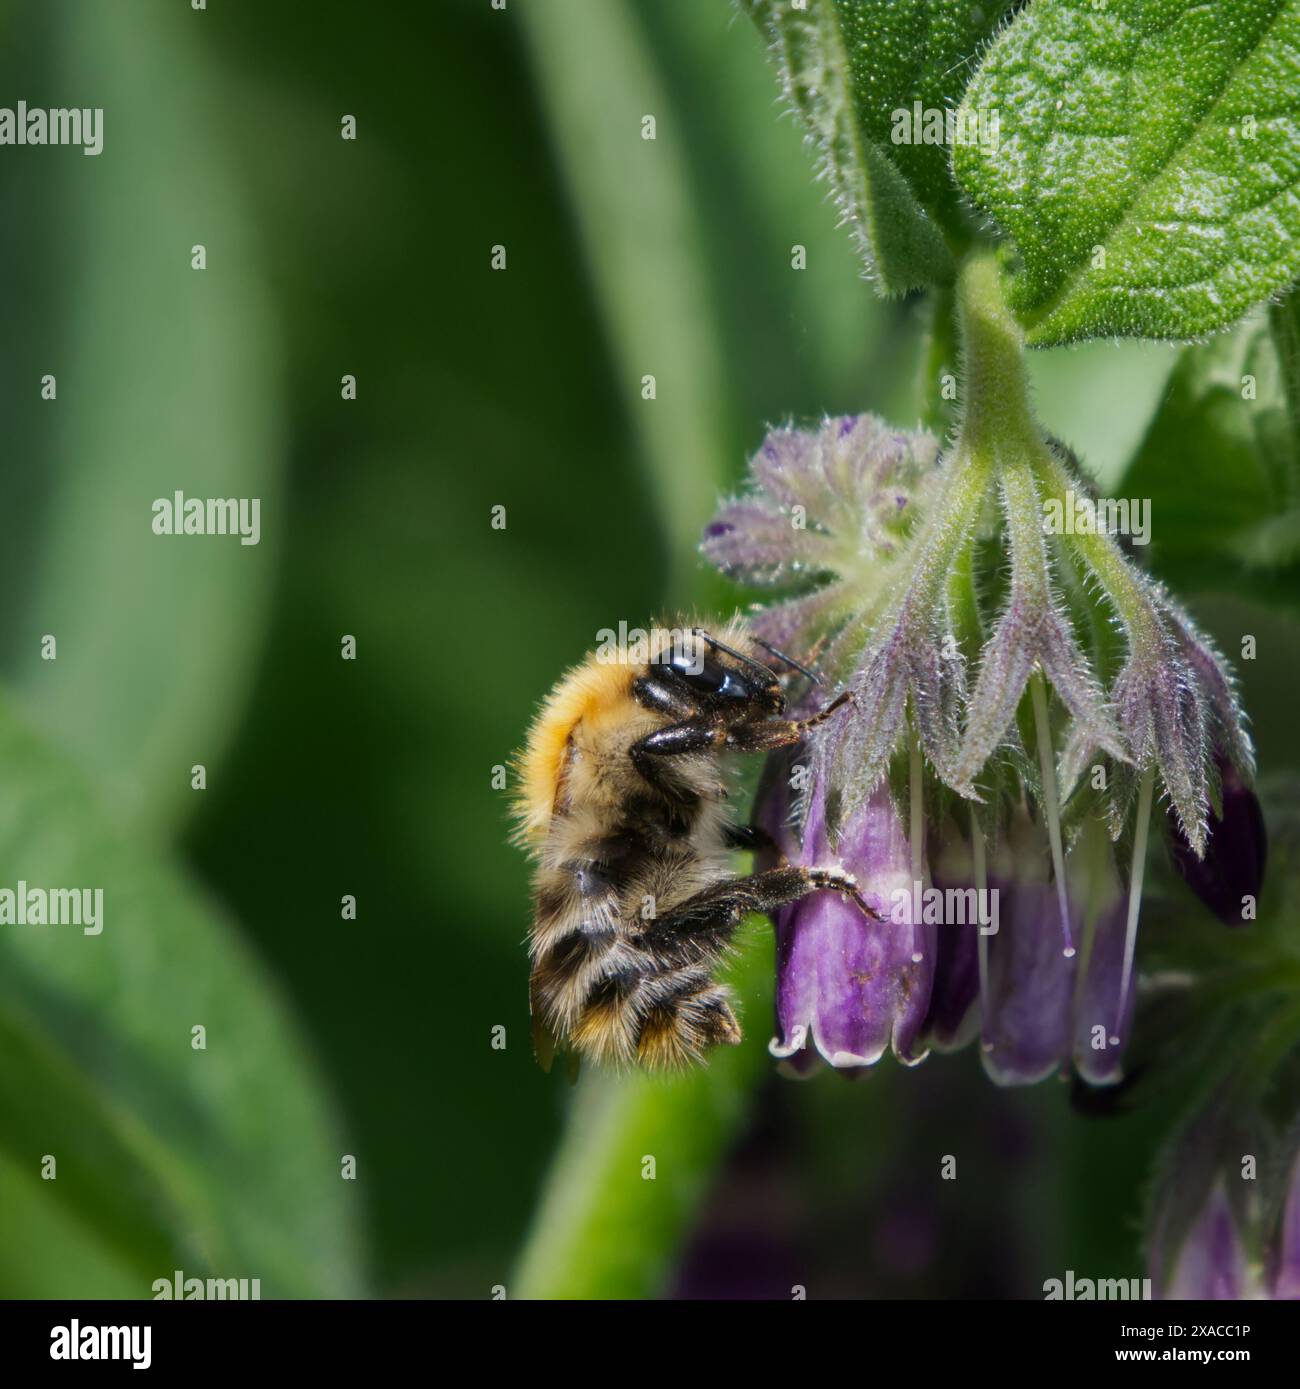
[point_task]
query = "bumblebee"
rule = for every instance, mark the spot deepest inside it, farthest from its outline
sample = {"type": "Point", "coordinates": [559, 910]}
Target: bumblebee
{"type": "Point", "coordinates": [622, 806]}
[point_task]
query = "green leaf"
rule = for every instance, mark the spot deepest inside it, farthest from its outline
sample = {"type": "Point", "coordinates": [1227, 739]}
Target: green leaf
{"type": "Point", "coordinates": [849, 67]}
{"type": "Point", "coordinates": [223, 1160]}
{"type": "Point", "coordinates": [1218, 464]}
{"type": "Point", "coordinates": [166, 382]}
{"type": "Point", "coordinates": [1147, 162]}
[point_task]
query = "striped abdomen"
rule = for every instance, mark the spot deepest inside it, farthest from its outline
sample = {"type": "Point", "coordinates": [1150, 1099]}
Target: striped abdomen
{"type": "Point", "coordinates": [611, 978]}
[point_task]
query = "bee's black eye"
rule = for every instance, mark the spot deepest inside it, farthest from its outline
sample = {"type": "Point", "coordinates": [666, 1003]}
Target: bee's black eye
{"type": "Point", "coordinates": [704, 674]}
{"type": "Point", "coordinates": [699, 671]}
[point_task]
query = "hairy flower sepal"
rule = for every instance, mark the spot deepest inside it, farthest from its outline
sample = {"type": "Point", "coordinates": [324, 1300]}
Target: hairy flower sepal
{"type": "Point", "coordinates": [1032, 631]}
{"type": "Point", "coordinates": [915, 652]}
{"type": "Point", "coordinates": [1174, 700]}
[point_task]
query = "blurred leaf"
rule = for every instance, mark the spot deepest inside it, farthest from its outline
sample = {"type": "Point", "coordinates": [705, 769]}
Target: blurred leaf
{"type": "Point", "coordinates": [801, 330]}
{"type": "Point", "coordinates": [847, 66]}
{"type": "Point", "coordinates": [1284, 326]}
{"type": "Point", "coordinates": [605, 1230]}
{"type": "Point", "coordinates": [45, 1238]}
{"type": "Point", "coordinates": [1218, 467]}
{"type": "Point", "coordinates": [1100, 398]}
{"type": "Point", "coordinates": [631, 201]}
{"type": "Point", "coordinates": [166, 382]}
{"type": "Point", "coordinates": [1147, 162]}
{"type": "Point", "coordinates": [222, 1160]}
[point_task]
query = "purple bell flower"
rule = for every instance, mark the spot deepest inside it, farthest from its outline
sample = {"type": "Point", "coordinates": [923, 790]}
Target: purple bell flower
{"type": "Point", "coordinates": [1233, 866]}
{"type": "Point", "coordinates": [1027, 1027]}
{"type": "Point", "coordinates": [1227, 1215]}
{"type": "Point", "coordinates": [1214, 1236]}
{"type": "Point", "coordinates": [1103, 1004]}
{"type": "Point", "coordinates": [848, 987]}
{"type": "Point", "coordinates": [954, 1015]}
{"type": "Point", "coordinates": [1043, 1007]}
{"type": "Point", "coordinates": [1103, 1013]}
{"type": "Point", "coordinates": [1210, 1262]}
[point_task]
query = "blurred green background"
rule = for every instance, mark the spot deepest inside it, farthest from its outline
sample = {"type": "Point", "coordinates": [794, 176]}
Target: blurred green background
{"type": "Point", "coordinates": [475, 388]}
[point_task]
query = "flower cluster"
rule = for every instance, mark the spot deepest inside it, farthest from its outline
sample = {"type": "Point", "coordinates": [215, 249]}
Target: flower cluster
{"type": "Point", "coordinates": [1019, 697]}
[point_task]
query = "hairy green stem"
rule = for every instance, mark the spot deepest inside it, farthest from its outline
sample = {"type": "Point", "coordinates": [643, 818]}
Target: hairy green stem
{"type": "Point", "coordinates": [996, 416]}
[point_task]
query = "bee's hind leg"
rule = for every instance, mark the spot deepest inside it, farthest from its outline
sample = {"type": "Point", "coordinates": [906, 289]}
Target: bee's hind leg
{"type": "Point", "coordinates": [706, 921]}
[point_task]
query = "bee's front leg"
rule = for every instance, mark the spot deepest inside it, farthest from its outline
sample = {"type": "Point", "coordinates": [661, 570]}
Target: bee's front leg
{"type": "Point", "coordinates": [677, 739]}
{"type": "Point", "coordinates": [780, 733]}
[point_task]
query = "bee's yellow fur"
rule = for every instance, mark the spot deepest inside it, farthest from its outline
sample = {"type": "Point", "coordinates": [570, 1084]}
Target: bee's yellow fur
{"type": "Point", "coordinates": [589, 692]}
{"type": "Point", "coordinates": [575, 783]}
{"type": "Point", "coordinates": [621, 804]}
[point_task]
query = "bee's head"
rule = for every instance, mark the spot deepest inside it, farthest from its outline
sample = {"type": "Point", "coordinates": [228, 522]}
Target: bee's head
{"type": "Point", "coordinates": [719, 676]}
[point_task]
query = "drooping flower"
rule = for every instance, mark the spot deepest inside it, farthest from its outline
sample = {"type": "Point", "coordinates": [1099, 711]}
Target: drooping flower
{"type": "Point", "coordinates": [1045, 1009]}
{"type": "Point", "coordinates": [850, 987]}
{"type": "Point", "coordinates": [1177, 708]}
{"type": "Point", "coordinates": [1198, 1225]}
{"type": "Point", "coordinates": [954, 1013]}
{"type": "Point", "coordinates": [1103, 1007]}
{"type": "Point", "coordinates": [1231, 872]}
{"type": "Point", "coordinates": [995, 685]}
{"type": "Point", "coordinates": [1027, 1028]}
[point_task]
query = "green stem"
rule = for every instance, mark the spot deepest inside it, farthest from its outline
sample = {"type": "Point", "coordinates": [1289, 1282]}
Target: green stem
{"type": "Point", "coordinates": [993, 383]}
{"type": "Point", "coordinates": [998, 421]}
{"type": "Point", "coordinates": [609, 1224]}
{"type": "Point", "coordinates": [996, 416]}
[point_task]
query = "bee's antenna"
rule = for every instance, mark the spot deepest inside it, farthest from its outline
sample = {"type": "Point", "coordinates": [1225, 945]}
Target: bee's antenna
{"type": "Point", "coordinates": [739, 655]}
{"type": "Point", "coordinates": [749, 661]}
{"type": "Point", "coordinates": [790, 661]}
